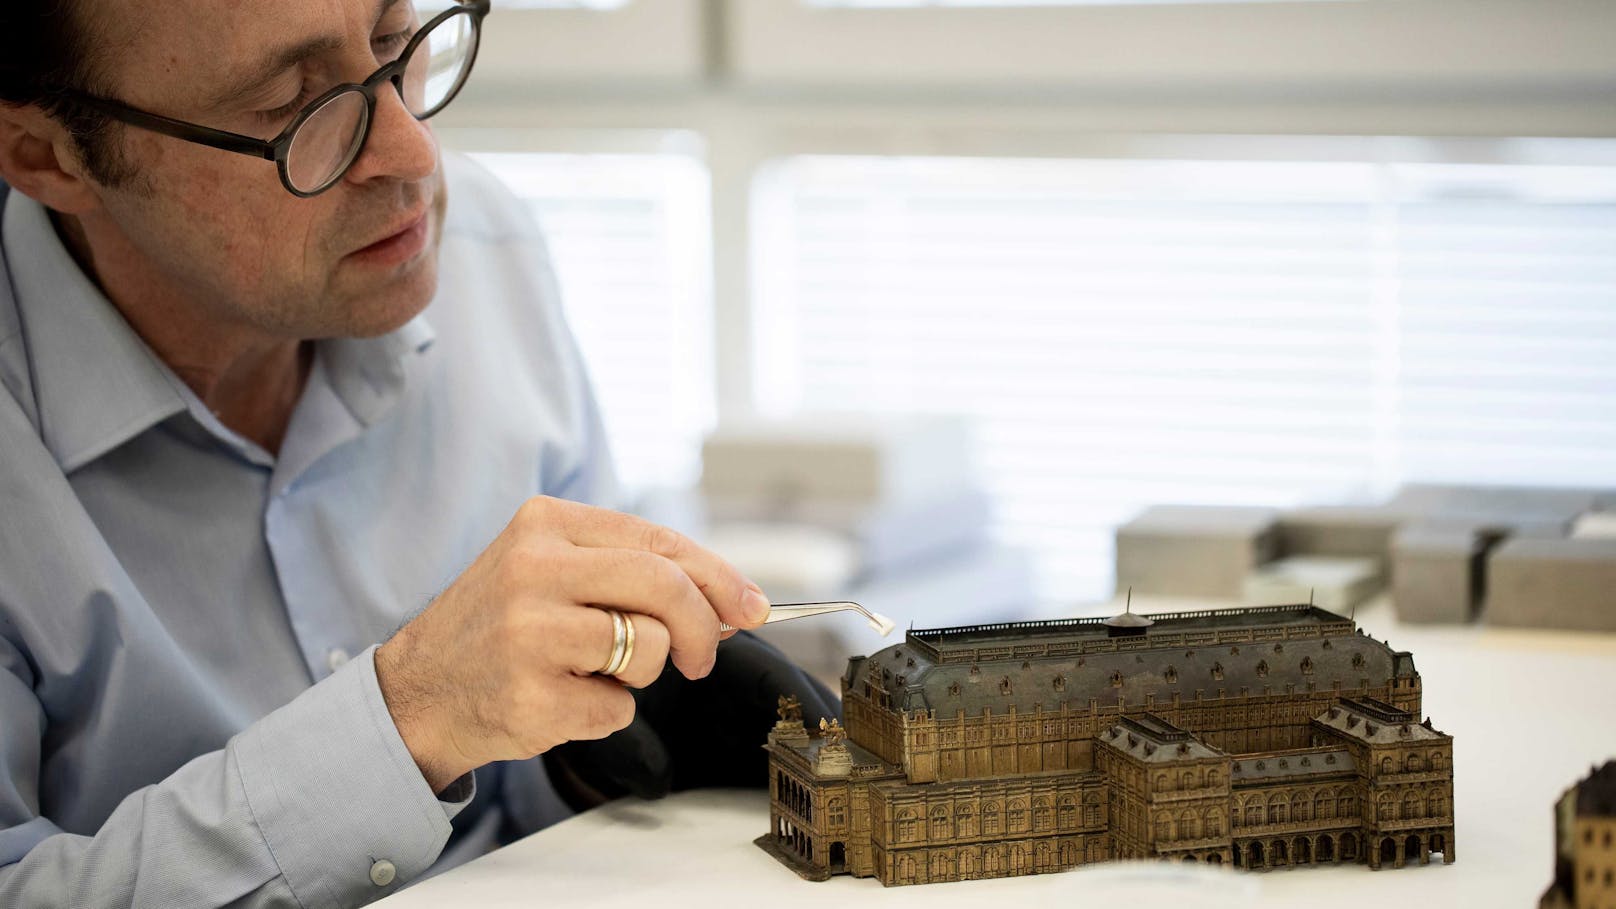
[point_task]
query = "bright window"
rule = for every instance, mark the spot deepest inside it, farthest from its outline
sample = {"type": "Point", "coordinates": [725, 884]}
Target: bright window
{"type": "Point", "coordinates": [629, 237]}
{"type": "Point", "coordinates": [1127, 332]}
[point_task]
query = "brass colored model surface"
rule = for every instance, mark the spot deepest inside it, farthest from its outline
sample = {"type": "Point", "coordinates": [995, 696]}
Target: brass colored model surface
{"type": "Point", "coordinates": [1258, 738]}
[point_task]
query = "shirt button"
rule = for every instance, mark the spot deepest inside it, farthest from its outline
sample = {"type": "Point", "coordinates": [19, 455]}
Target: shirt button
{"type": "Point", "coordinates": [382, 873]}
{"type": "Point", "coordinates": [337, 658]}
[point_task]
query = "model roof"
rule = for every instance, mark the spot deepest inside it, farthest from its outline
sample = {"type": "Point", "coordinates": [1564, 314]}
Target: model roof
{"type": "Point", "coordinates": [1377, 723]}
{"type": "Point", "coordinates": [1063, 664]}
{"type": "Point", "coordinates": [1262, 768]}
{"type": "Point", "coordinates": [1596, 795]}
{"type": "Point", "coordinates": [1055, 631]}
{"type": "Point", "coordinates": [1151, 739]}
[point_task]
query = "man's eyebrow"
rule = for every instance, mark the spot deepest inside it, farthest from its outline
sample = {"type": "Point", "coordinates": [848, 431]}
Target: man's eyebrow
{"type": "Point", "coordinates": [279, 61]}
{"type": "Point", "coordinates": [271, 65]}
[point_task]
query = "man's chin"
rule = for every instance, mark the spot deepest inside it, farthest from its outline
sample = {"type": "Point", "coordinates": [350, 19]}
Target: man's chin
{"type": "Point", "coordinates": [387, 306]}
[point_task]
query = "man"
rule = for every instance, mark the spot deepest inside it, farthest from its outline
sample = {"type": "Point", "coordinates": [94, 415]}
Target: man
{"type": "Point", "coordinates": [266, 395]}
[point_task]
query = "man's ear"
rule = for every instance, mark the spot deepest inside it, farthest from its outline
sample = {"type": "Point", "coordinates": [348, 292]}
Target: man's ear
{"type": "Point", "coordinates": [38, 158]}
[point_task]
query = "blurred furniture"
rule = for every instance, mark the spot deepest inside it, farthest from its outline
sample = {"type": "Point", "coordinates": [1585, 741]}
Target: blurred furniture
{"type": "Point", "coordinates": [1541, 557]}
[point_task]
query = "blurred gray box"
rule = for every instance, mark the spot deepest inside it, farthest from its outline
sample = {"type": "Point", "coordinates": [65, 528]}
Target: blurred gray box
{"type": "Point", "coordinates": [1336, 583]}
{"type": "Point", "coordinates": [1437, 572]}
{"type": "Point", "coordinates": [1567, 584]}
{"type": "Point", "coordinates": [1194, 550]}
{"type": "Point", "coordinates": [838, 459]}
{"type": "Point", "coordinates": [1507, 505]}
{"type": "Point", "coordinates": [1339, 530]}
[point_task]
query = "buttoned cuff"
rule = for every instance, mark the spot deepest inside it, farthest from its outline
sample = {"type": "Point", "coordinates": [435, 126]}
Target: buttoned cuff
{"type": "Point", "coordinates": [337, 796]}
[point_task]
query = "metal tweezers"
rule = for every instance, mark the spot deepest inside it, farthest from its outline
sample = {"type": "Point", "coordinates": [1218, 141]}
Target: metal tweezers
{"type": "Point", "coordinates": [781, 612]}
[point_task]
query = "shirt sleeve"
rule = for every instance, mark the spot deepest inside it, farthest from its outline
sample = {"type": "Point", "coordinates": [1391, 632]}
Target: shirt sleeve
{"type": "Point", "coordinates": [317, 805]}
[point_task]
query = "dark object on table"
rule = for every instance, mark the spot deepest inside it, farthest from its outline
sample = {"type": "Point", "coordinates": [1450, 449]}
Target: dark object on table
{"type": "Point", "coordinates": [692, 734]}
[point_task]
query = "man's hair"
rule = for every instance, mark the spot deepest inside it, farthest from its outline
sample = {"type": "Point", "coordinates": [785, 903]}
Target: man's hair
{"type": "Point", "coordinates": [45, 48]}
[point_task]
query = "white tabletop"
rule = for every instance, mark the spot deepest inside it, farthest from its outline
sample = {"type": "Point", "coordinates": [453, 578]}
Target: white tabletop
{"type": "Point", "coordinates": [1530, 712]}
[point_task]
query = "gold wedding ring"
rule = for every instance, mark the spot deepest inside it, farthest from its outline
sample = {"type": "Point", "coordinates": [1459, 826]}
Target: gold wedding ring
{"type": "Point", "coordinates": [622, 644]}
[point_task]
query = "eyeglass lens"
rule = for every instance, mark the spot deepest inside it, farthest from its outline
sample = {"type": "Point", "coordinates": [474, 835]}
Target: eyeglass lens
{"type": "Point", "coordinates": [330, 138]}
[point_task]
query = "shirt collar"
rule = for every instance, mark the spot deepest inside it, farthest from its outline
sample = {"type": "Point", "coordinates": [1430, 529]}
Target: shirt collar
{"type": "Point", "coordinates": [96, 383]}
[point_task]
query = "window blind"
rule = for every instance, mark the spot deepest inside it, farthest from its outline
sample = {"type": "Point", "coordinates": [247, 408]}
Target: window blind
{"type": "Point", "coordinates": [1224, 332]}
{"type": "Point", "coordinates": [629, 235]}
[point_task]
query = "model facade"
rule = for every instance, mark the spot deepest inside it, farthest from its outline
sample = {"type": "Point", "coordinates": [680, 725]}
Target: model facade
{"type": "Point", "coordinates": [1585, 844]}
{"type": "Point", "coordinates": [1261, 737]}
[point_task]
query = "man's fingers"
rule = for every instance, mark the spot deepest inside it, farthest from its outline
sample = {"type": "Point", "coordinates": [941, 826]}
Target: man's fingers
{"type": "Point", "coordinates": [649, 641]}
{"type": "Point", "coordinates": [736, 600]}
{"type": "Point", "coordinates": [597, 708]}
{"type": "Point", "coordinates": [637, 581]}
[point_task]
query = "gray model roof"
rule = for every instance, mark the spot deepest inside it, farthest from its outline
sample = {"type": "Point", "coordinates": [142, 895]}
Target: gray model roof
{"type": "Point", "coordinates": [1376, 723]}
{"type": "Point", "coordinates": [1596, 795]}
{"type": "Point", "coordinates": [1262, 768]}
{"type": "Point", "coordinates": [1151, 739]}
{"type": "Point", "coordinates": [1028, 666]}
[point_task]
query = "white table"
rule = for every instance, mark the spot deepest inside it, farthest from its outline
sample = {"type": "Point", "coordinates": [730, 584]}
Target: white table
{"type": "Point", "coordinates": [1529, 712]}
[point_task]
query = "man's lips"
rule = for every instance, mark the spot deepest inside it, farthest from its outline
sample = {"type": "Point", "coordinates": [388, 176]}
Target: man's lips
{"type": "Point", "coordinates": [400, 244]}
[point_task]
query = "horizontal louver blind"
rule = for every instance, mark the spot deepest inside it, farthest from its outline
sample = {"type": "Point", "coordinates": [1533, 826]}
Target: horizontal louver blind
{"type": "Point", "coordinates": [1507, 280]}
{"type": "Point", "coordinates": [629, 237]}
{"type": "Point", "coordinates": [1133, 332]}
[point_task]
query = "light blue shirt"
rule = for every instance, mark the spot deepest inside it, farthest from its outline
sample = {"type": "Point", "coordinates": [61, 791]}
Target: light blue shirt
{"type": "Point", "coordinates": [189, 713]}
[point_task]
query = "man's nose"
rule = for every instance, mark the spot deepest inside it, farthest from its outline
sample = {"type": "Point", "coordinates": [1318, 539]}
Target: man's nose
{"type": "Point", "coordinates": [399, 147]}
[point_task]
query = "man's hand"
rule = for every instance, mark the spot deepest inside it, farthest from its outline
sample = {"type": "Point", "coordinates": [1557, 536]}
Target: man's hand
{"type": "Point", "coordinates": [501, 666]}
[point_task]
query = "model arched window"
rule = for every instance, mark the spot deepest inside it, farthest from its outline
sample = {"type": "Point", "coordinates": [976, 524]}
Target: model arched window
{"type": "Point", "coordinates": [1116, 679]}
{"type": "Point", "coordinates": [1189, 827]}
{"type": "Point", "coordinates": [1217, 671]}
{"type": "Point", "coordinates": [990, 818]}
{"type": "Point", "coordinates": [1262, 669]}
{"type": "Point", "coordinates": [1411, 806]}
{"type": "Point", "coordinates": [1042, 816]}
{"type": "Point", "coordinates": [908, 825]}
{"type": "Point", "coordinates": [1307, 665]}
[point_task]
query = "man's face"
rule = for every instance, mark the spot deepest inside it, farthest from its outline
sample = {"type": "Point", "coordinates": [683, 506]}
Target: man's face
{"type": "Point", "coordinates": [219, 228]}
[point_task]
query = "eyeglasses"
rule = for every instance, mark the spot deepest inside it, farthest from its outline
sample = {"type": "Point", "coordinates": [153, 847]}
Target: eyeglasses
{"type": "Point", "coordinates": [326, 137]}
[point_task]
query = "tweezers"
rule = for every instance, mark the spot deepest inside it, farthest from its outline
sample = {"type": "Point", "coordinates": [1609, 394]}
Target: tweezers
{"type": "Point", "coordinates": [781, 612]}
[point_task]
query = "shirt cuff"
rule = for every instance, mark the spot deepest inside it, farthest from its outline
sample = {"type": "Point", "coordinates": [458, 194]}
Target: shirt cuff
{"type": "Point", "coordinates": [337, 796]}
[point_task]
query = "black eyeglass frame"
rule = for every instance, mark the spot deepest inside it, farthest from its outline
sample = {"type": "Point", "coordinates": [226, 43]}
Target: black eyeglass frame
{"type": "Point", "coordinates": [278, 148]}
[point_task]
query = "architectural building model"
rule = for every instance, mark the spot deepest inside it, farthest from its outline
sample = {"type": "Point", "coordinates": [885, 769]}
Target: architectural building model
{"type": "Point", "coordinates": [1257, 737]}
{"type": "Point", "coordinates": [1585, 844]}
